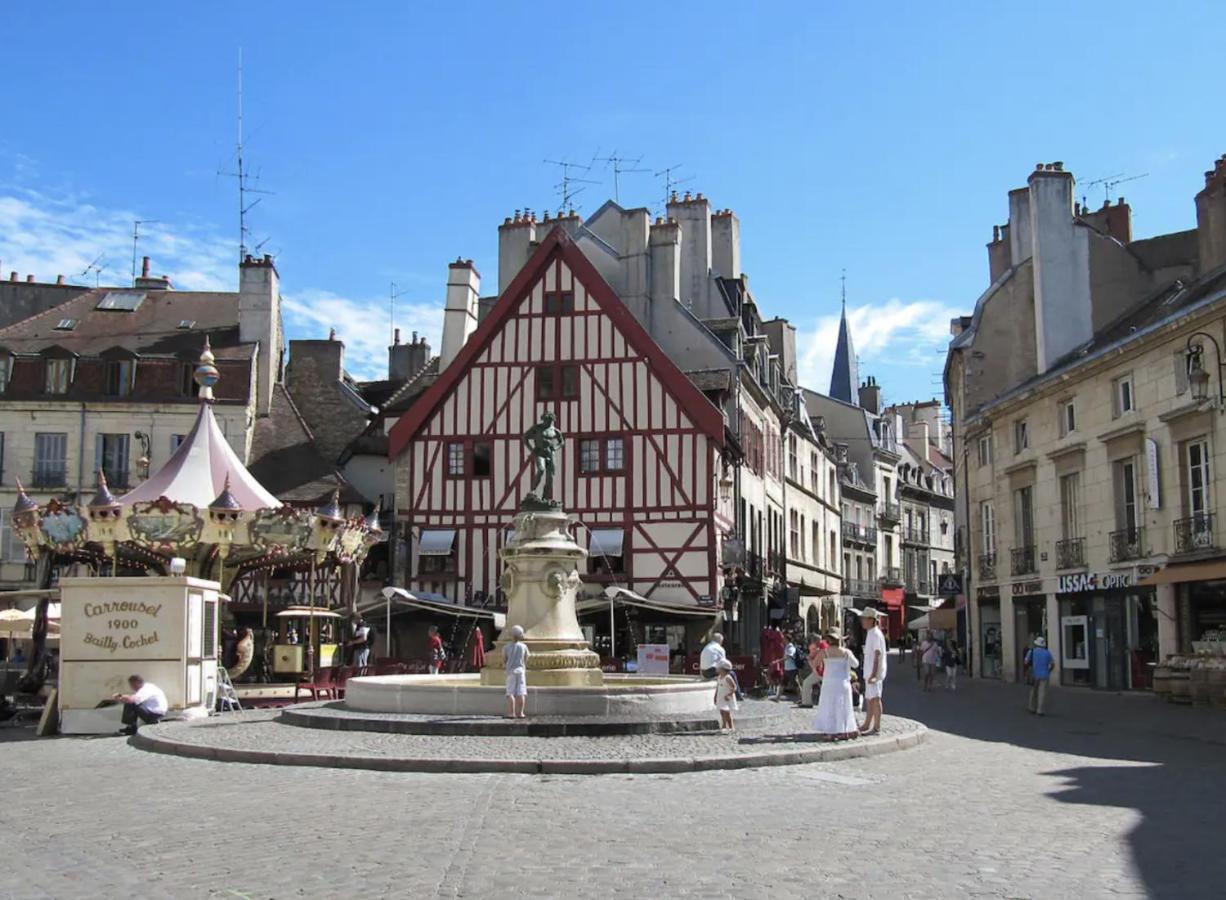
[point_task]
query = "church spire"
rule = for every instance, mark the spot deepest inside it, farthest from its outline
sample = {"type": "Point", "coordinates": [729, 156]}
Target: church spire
{"type": "Point", "coordinates": [845, 378]}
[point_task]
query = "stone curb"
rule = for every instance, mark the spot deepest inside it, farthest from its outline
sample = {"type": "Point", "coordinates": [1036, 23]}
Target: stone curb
{"type": "Point", "coordinates": [312, 716]}
{"type": "Point", "coordinates": [147, 739]}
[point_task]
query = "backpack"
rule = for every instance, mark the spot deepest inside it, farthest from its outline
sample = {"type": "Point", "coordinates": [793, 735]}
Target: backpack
{"type": "Point", "coordinates": [371, 634]}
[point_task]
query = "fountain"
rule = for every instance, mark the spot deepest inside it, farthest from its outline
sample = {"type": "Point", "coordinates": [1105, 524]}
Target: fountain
{"type": "Point", "coordinates": [541, 580]}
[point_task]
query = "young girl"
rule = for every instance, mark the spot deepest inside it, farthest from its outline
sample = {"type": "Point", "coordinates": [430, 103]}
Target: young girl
{"type": "Point", "coordinates": [725, 694]}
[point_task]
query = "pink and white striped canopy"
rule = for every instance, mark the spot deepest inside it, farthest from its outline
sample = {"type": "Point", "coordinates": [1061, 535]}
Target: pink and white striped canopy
{"type": "Point", "coordinates": [197, 471]}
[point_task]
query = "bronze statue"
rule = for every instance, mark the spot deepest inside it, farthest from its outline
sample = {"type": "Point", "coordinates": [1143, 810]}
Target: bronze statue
{"type": "Point", "coordinates": [545, 442]}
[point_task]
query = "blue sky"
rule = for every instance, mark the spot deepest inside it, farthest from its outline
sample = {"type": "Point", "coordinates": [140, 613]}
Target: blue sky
{"type": "Point", "coordinates": [876, 137]}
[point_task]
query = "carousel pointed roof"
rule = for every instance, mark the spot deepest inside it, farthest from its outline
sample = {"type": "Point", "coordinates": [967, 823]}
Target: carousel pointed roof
{"type": "Point", "coordinates": [204, 466]}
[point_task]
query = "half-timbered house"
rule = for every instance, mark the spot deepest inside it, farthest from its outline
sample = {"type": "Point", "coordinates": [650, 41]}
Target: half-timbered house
{"type": "Point", "coordinates": [642, 458]}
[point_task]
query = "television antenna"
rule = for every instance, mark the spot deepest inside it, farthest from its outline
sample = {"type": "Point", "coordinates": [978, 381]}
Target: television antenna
{"type": "Point", "coordinates": [621, 165]}
{"type": "Point", "coordinates": [392, 294]}
{"type": "Point", "coordinates": [242, 175]}
{"type": "Point", "coordinates": [136, 224]}
{"type": "Point", "coordinates": [564, 188]}
{"type": "Point", "coordinates": [96, 267]}
{"type": "Point", "coordinates": [670, 183]}
{"type": "Point", "coordinates": [1110, 182]}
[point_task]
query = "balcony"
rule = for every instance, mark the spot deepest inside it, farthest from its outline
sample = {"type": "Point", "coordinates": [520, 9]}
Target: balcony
{"type": "Point", "coordinates": [1128, 543]}
{"type": "Point", "coordinates": [987, 567]}
{"type": "Point", "coordinates": [888, 514]}
{"type": "Point", "coordinates": [1070, 553]}
{"type": "Point", "coordinates": [858, 587]}
{"type": "Point", "coordinates": [1194, 533]}
{"type": "Point", "coordinates": [918, 584]}
{"type": "Point", "coordinates": [891, 576]}
{"type": "Point", "coordinates": [776, 562]}
{"type": "Point", "coordinates": [912, 534]}
{"type": "Point", "coordinates": [1022, 561]}
{"type": "Point", "coordinates": [860, 534]}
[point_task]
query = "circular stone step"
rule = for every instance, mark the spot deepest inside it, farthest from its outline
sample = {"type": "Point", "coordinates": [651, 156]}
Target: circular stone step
{"type": "Point", "coordinates": [337, 716]}
{"type": "Point", "coordinates": [259, 738]}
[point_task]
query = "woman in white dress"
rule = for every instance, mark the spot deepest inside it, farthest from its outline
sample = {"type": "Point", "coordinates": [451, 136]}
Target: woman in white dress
{"type": "Point", "coordinates": [836, 718]}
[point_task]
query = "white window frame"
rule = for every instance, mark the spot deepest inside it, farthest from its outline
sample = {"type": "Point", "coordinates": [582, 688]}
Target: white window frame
{"type": "Point", "coordinates": [1123, 396]}
{"type": "Point", "coordinates": [985, 449]}
{"type": "Point", "coordinates": [1070, 503]}
{"type": "Point", "coordinates": [1068, 417]}
{"type": "Point", "coordinates": [987, 525]}
{"type": "Point", "coordinates": [1199, 448]}
{"type": "Point", "coordinates": [1021, 435]}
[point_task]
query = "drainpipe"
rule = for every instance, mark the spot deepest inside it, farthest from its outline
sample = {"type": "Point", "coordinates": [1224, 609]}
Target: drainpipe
{"type": "Point", "coordinates": [81, 457]}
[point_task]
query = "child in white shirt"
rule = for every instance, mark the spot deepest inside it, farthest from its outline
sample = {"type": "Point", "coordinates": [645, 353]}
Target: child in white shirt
{"type": "Point", "coordinates": [725, 694]}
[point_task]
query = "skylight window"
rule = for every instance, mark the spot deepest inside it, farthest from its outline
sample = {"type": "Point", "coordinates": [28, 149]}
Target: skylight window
{"type": "Point", "coordinates": [187, 324]}
{"type": "Point", "coordinates": [121, 301]}
{"type": "Point", "coordinates": [66, 325]}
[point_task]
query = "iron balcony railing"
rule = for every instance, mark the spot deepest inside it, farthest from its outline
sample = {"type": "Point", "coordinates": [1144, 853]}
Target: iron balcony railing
{"type": "Point", "coordinates": [987, 567]}
{"type": "Point", "coordinates": [1194, 533]}
{"type": "Point", "coordinates": [862, 534]}
{"type": "Point", "coordinates": [1070, 553]}
{"type": "Point", "coordinates": [1022, 561]}
{"type": "Point", "coordinates": [889, 513]}
{"type": "Point", "coordinates": [891, 576]}
{"type": "Point", "coordinates": [858, 587]}
{"type": "Point", "coordinates": [912, 534]}
{"type": "Point", "coordinates": [1126, 544]}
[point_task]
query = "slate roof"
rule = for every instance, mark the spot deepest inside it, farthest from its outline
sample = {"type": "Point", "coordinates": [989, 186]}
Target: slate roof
{"type": "Point", "coordinates": [152, 329]}
{"type": "Point", "coordinates": [414, 387]}
{"type": "Point", "coordinates": [285, 461]}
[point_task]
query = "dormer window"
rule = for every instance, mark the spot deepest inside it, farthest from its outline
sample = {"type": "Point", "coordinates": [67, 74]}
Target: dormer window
{"type": "Point", "coordinates": [187, 324]}
{"type": "Point", "coordinates": [59, 375]}
{"type": "Point", "coordinates": [120, 377]}
{"type": "Point", "coordinates": [6, 371]}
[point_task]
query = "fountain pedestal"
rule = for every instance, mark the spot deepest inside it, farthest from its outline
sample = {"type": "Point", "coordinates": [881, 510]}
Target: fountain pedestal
{"type": "Point", "coordinates": [540, 580]}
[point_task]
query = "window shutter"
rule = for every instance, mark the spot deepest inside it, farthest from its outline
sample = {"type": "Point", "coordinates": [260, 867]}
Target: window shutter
{"type": "Point", "coordinates": [1181, 373]}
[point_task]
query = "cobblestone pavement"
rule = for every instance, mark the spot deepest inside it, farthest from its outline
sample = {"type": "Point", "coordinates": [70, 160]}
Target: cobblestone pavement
{"type": "Point", "coordinates": [1107, 796]}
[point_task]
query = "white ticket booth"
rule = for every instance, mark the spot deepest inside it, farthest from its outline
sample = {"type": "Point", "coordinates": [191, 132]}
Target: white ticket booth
{"type": "Point", "coordinates": [161, 628]}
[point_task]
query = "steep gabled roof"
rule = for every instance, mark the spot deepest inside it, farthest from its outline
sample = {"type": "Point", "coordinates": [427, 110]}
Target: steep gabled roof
{"type": "Point", "coordinates": [845, 378]}
{"type": "Point", "coordinates": [556, 244]}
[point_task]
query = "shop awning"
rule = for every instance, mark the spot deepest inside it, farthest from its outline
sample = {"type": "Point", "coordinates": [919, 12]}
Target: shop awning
{"type": "Point", "coordinates": [606, 542]}
{"type": "Point", "coordinates": [436, 543]}
{"type": "Point", "coordinates": [1210, 570]}
{"type": "Point", "coordinates": [429, 602]}
{"type": "Point", "coordinates": [628, 597]}
{"type": "Point", "coordinates": [892, 596]}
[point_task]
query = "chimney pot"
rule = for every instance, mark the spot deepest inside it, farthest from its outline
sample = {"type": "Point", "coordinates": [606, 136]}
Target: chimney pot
{"type": "Point", "coordinates": [144, 267]}
{"type": "Point", "coordinates": [673, 198]}
{"type": "Point", "coordinates": [331, 334]}
{"type": "Point", "coordinates": [29, 279]}
{"type": "Point", "coordinates": [59, 279]}
{"type": "Point", "coordinates": [686, 198]}
{"type": "Point", "coordinates": [699, 196]}
{"type": "Point", "coordinates": [995, 233]}
{"type": "Point", "coordinates": [1058, 165]}
{"type": "Point", "coordinates": [1119, 202]}
{"type": "Point", "coordinates": [396, 336]}
{"type": "Point", "coordinates": [12, 276]}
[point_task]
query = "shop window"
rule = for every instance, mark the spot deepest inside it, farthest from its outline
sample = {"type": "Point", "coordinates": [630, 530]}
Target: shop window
{"type": "Point", "coordinates": [606, 551]}
{"type": "Point", "coordinates": [436, 552]}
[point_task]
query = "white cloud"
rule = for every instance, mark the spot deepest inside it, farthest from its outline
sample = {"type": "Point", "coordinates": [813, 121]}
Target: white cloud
{"type": "Point", "coordinates": [361, 324]}
{"type": "Point", "coordinates": [47, 235]}
{"type": "Point", "coordinates": [896, 335]}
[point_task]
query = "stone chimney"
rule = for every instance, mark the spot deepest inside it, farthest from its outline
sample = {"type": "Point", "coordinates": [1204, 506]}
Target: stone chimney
{"type": "Point", "coordinates": [781, 336]}
{"type": "Point", "coordinates": [1020, 245]}
{"type": "Point", "coordinates": [726, 243]}
{"type": "Point", "coordinates": [406, 360]}
{"type": "Point", "coordinates": [1061, 253]}
{"type": "Point", "coordinates": [665, 248]}
{"type": "Point", "coordinates": [870, 396]}
{"type": "Point", "coordinates": [516, 241]}
{"type": "Point", "coordinates": [1112, 220]}
{"type": "Point", "coordinates": [259, 322]}
{"type": "Point", "coordinates": [1211, 218]}
{"type": "Point", "coordinates": [693, 214]}
{"type": "Point", "coordinates": [999, 255]}
{"type": "Point", "coordinates": [147, 282]}
{"type": "Point", "coordinates": [460, 314]}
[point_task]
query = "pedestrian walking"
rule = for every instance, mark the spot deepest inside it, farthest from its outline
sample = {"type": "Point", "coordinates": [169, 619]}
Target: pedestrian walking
{"type": "Point", "coordinates": [813, 680]}
{"type": "Point", "coordinates": [951, 658]}
{"type": "Point", "coordinates": [790, 667]}
{"type": "Point", "coordinates": [930, 659]}
{"type": "Point", "coordinates": [515, 659]}
{"type": "Point", "coordinates": [725, 695]}
{"type": "Point", "coordinates": [875, 656]}
{"type": "Point", "coordinates": [1040, 662]}
{"type": "Point", "coordinates": [478, 655]}
{"type": "Point", "coordinates": [438, 655]}
{"type": "Point", "coordinates": [836, 716]}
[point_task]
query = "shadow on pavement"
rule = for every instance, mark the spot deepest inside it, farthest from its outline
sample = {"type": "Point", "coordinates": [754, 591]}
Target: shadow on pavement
{"type": "Point", "coordinates": [1174, 774]}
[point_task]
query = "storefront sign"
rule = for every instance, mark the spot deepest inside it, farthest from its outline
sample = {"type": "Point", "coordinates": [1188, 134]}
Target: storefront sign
{"type": "Point", "coordinates": [989, 593]}
{"type": "Point", "coordinates": [949, 584]}
{"type": "Point", "coordinates": [113, 626]}
{"type": "Point", "coordinates": [1022, 588]}
{"type": "Point", "coordinates": [1094, 581]}
{"type": "Point", "coordinates": [1153, 488]}
{"type": "Point", "coordinates": [653, 659]}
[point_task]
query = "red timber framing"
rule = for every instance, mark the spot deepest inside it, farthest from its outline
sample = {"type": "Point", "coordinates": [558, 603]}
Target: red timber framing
{"type": "Point", "coordinates": [663, 498]}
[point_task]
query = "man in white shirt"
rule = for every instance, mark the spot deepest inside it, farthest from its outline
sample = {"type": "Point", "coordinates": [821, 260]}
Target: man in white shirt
{"type": "Point", "coordinates": [147, 703]}
{"type": "Point", "coordinates": [712, 653]}
{"type": "Point", "coordinates": [361, 643]}
{"type": "Point", "coordinates": [874, 669]}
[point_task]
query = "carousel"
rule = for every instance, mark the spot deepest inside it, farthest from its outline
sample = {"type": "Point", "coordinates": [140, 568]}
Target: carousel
{"type": "Point", "coordinates": [204, 515]}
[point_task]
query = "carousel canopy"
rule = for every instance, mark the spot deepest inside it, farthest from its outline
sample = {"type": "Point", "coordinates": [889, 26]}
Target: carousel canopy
{"type": "Point", "coordinates": [197, 472]}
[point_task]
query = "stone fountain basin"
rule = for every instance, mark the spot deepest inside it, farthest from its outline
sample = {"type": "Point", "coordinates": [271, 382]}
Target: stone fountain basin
{"type": "Point", "coordinates": [464, 695]}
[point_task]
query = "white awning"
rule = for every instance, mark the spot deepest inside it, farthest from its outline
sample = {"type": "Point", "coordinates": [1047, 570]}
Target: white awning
{"type": "Point", "coordinates": [430, 602]}
{"type": "Point", "coordinates": [617, 594]}
{"type": "Point", "coordinates": [437, 543]}
{"type": "Point", "coordinates": [606, 541]}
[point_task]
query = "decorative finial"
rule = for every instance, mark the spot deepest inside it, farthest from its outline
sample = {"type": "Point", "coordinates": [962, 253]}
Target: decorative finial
{"type": "Point", "coordinates": [331, 511]}
{"type": "Point", "coordinates": [103, 498]}
{"type": "Point", "coordinates": [372, 521]}
{"type": "Point", "coordinates": [226, 502]}
{"type": "Point", "coordinates": [843, 281]}
{"type": "Point", "coordinates": [206, 374]}
{"type": "Point", "coordinates": [24, 504]}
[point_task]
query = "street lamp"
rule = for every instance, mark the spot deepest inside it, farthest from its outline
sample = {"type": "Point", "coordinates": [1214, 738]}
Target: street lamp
{"type": "Point", "coordinates": [1198, 375]}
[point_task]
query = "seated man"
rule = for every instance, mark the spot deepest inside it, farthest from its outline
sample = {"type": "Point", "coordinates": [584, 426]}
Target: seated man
{"type": "Point", "coordinates": [147, 703]}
